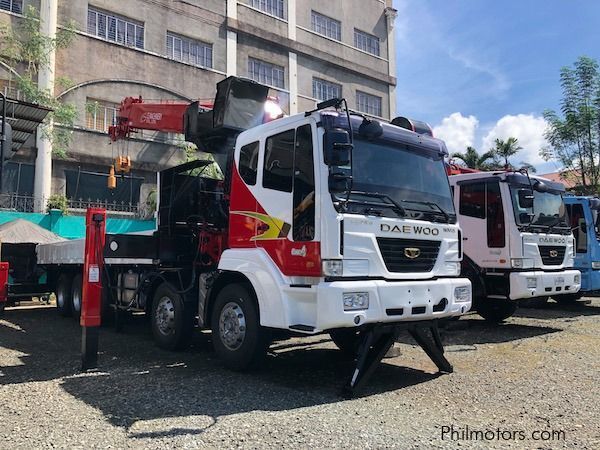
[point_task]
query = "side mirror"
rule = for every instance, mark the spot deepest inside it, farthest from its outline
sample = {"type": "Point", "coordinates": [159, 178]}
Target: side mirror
{"type": "Point", "coordinates": [337, 147]}
{"type": "Point", "coordinates": [339, 181]}
{"type": "Point", "coordinates": [525, 218]}
{"type": "Point", "coordinates": [526, 198]}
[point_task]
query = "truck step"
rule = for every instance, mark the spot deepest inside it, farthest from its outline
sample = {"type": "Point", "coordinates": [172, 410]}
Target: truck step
{"type": "Point", "coordinates": [305, 328]}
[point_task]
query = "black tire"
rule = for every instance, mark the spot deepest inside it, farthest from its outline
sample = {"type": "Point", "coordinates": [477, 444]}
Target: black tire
{"type": "Point", "coordinates": [567, 299]}
{"type": "Point", "coordinates": [496, 310]}
{"type": "Point", "coordinates": [535, 302]}
{"type": "Point", "coordinates": [238, 339]}
{"type": "Point", "coordinates": [63, 295]}
{"type": "Point", "coordinates": [172, 321]}
{"type": "Point", "coordinates": [76, 296]}
{"type": "Point", "coordinates": [2, 306]}
{"type": "Point", "coordinates": [347, 340]}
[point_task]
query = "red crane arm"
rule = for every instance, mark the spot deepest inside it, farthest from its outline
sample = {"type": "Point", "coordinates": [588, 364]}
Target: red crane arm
{"type": "Point", "coordinates": [134, 114]}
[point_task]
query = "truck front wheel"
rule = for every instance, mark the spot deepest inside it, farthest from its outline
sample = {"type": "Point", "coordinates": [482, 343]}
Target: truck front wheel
{"type": "Point", "coordinates": [347, 340]}
{"type": "Point", "coordinates": [63, 295]}
{"type": "Point", "coordinates": [238, 339]}
{"type": "Point", "coordinates": [496, 310]}
{"type": "Point", "coordinates": [172, 320]}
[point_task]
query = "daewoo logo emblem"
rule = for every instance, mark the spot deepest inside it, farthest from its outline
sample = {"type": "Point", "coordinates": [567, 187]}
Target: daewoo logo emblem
{"type": "Point", "coordinates": [412, 253]}
{"type": "Point", "coordinates": [553, 253]}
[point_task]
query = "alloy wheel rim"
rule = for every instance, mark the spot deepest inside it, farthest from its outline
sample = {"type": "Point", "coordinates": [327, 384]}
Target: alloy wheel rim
{"type": "Point", "coordinates": [232, 326]}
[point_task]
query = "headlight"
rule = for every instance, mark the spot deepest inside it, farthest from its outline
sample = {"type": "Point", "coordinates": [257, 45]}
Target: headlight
{"type": "Point", "coordinates": [595, 265]}
{"type": "Point", "coordinates": [521, 263]}
{"type": "Point", "coordinates": [577, 279]}
{"type": "Point", "coordinates": [462, 293]}
{"type": "Point", "coordinates": [333, 267]}
{"type": "Point", "coordinates": [354, 301]}
{"type": "Point", "coordinates": [531, 282]}
{"type": "Point", "coordinates": [453, 268]}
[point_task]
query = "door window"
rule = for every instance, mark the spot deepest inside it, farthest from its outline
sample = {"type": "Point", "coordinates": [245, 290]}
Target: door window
{"type": "Point", "coordinates": [279, 162]}
{"type": "Point", "coordinates": [304, 186]}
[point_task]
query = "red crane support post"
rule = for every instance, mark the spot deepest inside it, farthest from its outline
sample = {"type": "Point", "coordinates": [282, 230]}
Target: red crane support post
{"type": "Point", "coordinates": [91, 308]}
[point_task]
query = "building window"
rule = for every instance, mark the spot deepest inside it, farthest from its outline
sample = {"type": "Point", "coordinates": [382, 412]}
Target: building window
{"type": "Point", "coordinates": [326, 26]}
{"type": "Point", "coordinates": [99, 115]}
{"type": "Point", "coordinates": [266, 73]}
{"type": "Point", "coordinates": [273, 7]}
{"type": "Point", "coordinates": [325, 90]}
{"type": "Point", "coordinates": [366, 42]}
{"type": "Point", "coordinates": [15, 6]}
{"type": "Point", "coordinates": [369, 104]}
{"type": "Point", "coordinates": [115, 28]}
{"type": "Point", "coordinates": [189, 50]}
{"type": "Point", "coordinates": [18, 179]}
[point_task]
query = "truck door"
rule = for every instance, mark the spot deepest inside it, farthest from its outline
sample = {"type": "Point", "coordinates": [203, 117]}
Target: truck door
{"type": "Point", "coordinates": [483, 223]}
{"type": "Point", "coordinates": [579, 226]}
{"type": "Point", "coordinates": [289, 200]}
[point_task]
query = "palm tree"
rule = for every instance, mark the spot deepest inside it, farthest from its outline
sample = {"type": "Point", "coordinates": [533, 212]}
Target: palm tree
{"type": "Point", "coordinates": [528, 167]}
{"type": "Point", "coordinates": [506, 149]}
{"type": "Point", "coordinates": [474, 160]}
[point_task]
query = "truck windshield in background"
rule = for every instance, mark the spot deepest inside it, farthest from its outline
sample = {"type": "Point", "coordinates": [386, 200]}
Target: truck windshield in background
{"type": "Point", "coordinates": [395, 180]}
{"type": "Point", "coordinates": [548, 210]}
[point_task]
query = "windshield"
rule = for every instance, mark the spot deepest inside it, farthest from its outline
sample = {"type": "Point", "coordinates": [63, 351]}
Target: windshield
{"type": "Point", "coordinates": [548, 210]}
{"type": "Point", "coordinates": [411, 184]}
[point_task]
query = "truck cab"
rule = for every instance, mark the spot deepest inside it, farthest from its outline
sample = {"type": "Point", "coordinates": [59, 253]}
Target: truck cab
{"type": "Point", "coordinates": [517, 240]}
{"type": "Point", "coordinates": [585, 223]}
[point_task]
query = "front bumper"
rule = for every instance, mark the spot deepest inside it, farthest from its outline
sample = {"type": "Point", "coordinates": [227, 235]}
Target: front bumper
{"type": "Point", "coordinates": [546, 284]}
{"type": "Point", "coordinates": [390, 301]}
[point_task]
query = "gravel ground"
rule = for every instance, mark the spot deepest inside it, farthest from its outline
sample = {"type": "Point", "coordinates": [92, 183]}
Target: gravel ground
{"type": "Point", "coordinates": [538, 372]}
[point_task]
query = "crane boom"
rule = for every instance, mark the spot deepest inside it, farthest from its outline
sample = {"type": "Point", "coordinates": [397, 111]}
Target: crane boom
{"type": "Point", "coordinates": [135, 114]}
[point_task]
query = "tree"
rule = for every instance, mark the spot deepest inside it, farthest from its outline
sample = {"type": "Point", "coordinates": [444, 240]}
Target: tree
{"type": "Point", "coordinates": [506, 148]}
{"type": "Point", "coordinates": [25, 50]}
{"type": "Point", "coordinates": [574, 134]}
{"type": "Point", "coordinates": [474, 160]}
{"type": "Point", "coordinates": [528, 167]}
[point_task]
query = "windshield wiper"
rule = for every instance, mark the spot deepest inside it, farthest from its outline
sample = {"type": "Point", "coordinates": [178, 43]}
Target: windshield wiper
{"type": "Point", "coordinates": [432, 204]}
{"type": "Point", "coordinates": [550, 227]}
{"type": "Point", "coordinates": [392, 203]}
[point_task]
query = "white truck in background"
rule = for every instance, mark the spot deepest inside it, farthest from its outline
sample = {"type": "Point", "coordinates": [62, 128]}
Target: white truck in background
{"type": "Point", "coordinates": [517, 240]}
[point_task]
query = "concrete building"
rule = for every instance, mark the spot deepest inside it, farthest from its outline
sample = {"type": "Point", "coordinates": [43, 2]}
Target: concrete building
{"type": "Point", "coordinates": [306, 50]}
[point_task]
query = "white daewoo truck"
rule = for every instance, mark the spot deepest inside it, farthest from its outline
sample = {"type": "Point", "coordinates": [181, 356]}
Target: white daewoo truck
{"type": "Point", "coordinates": [324, 221]}
{"type": "Point", "coordinates": [517, 240]}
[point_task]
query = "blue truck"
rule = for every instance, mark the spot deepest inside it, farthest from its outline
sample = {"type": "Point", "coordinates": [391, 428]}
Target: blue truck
{"type": "Point", "coordinates": [584, 215]}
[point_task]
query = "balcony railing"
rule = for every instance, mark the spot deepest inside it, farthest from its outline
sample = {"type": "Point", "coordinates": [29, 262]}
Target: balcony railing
{"type": "Point", "coordinates": [25, 203]}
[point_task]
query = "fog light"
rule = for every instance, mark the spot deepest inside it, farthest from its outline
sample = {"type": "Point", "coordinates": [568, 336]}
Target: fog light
{"type": "Point", "coordinates": [453, 268]}
{"type": "Point", "coordinates": [333, 267]}
{"type": "Point", "coordinates": [595, 265]}
{"type": "Point", "coordinates": [521, 263]}
{"type": "Point", "coordinates": [577, 279]}
{"type": "Point", "coordinates": [462, 294]}
{"type": "Point", "coordinates": [356, 300]}
{"type": "Point", "coordinates": [531, 282]}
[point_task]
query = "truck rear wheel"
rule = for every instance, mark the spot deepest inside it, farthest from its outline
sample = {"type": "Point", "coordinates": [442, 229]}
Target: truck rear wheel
{"type": "Point", "coordinates": [496, 310]}
{"type": "Point", "coordinates": [63, 295]}
{"type": "Point", "coordinates": [347, 340]}
{"type": "Point", "coordinates": [238, 339]}
{"type": "Point", "coordinates": [76, 296]}
{"type": "Point", "coordinates": [172, 322]}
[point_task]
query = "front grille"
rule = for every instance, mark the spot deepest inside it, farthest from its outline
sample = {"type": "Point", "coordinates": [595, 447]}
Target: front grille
{"type": "Point", "coordinates": [395, 254]}
{"type": "Point", "coordinates": [552, 255]}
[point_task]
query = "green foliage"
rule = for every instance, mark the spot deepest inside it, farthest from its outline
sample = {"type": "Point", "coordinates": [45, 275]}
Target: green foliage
{"type": "Point", "coordinates": [24, 44]}
{"type": "Point", "coordinates": [57, 201]}
{"type": "Point", "coordinates": [474, 160]}
{"type": "Point", "coordinates": [574, 132]}
{"type": "Point", "coordinates": [191, 153]}
{"type": "Point", "coordinates": [506, 148]}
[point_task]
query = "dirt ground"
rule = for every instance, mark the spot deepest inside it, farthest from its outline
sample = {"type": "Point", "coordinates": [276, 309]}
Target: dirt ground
{"type": "Point", "coordinates": [532, 382]}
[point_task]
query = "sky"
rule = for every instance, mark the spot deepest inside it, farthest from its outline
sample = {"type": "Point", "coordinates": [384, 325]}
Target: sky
{"type": "Point", "coordinates": [477, 70]}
